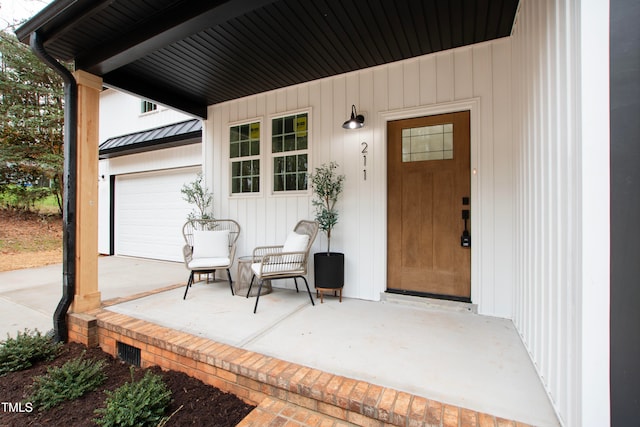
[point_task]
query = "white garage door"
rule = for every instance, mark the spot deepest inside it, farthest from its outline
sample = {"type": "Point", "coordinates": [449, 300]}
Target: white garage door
{"type": "Point", "coordinates": [150, 212]}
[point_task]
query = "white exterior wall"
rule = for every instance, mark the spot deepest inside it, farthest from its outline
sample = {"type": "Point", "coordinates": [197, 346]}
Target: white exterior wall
{"type": "Point", "coordinates": [120, 115]}
{"type": "Point", "coordinates": [561, 171]}
{"type": "Point", "coordinates": [475, 77]}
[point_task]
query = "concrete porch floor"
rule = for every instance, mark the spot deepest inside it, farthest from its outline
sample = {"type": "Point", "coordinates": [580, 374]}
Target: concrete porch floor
{"type": "Point", "coordinates": [455, 357]}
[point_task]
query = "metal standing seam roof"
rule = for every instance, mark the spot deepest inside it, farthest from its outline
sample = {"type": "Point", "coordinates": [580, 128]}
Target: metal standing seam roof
{"type": "Point", "coordinates": [174, 135]}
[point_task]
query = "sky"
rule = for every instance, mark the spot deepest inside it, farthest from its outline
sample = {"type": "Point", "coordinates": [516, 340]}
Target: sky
{"type": "Point", "coordinates": [16, 11]}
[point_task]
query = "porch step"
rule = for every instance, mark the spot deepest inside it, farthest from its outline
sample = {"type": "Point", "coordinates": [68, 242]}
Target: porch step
{"type": "Point", "coordinates": [425, 302]}
{"type": "Point", "coordinates": [287, 394]}
{"type": "Point", "coordinates": [275, 412]}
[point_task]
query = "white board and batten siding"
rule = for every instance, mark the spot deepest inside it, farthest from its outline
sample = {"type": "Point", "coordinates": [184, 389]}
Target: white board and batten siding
{"type": "Point", "coordinates": [560, 171]}
{"type": "Point", "coordinates": [474, 77]}
{"type": "Point", "coordinates": [149, 206]}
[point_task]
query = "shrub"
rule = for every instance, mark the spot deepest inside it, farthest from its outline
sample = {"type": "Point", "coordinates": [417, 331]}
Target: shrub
{"type": "Point", "coordinates": [138, 403]}
{"type": "Point", "coordinates": [26, 349]}
{"type": "Point", "coordinates": [22, 197]}
{"type": "Point", "coordinates": [68, 382]}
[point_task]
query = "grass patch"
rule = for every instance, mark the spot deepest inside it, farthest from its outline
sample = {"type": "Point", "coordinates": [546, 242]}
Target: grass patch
{"type": "Point", "coordinates": [48, 205]}
{"type": "Point", "coordinates": [48, 243]}
{"type": "Point", "coordinates": [30, 199]}
{"type": "Point", "coordinates": [22, 231]}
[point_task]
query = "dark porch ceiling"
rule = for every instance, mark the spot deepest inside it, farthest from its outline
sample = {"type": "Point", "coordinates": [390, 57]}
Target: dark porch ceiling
{"type": "Point", "coordinates": [188, 54]}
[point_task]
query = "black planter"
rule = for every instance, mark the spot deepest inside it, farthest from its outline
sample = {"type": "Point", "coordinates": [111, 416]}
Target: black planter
{"type": "Point", "coordinates": [329, 270]}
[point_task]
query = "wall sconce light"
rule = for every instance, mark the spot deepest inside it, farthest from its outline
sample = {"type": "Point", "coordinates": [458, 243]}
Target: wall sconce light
{"type": "Point", "coordinates": [356, 121]}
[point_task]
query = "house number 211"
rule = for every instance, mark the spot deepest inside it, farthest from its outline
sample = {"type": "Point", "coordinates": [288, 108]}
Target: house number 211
{"type": "Point", "coordinates": [365, 151]}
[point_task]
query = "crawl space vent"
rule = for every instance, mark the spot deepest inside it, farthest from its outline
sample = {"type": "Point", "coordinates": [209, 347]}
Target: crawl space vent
{"type": "Point", "coordinates": [129, 353]}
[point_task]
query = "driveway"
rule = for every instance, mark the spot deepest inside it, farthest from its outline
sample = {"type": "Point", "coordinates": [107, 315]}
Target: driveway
{"type": "Point", "coordinates": [29, 297]}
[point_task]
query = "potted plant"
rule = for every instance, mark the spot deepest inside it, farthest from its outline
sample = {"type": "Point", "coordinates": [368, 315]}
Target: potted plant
{"type": "Point", "coordinates": [327, 187]}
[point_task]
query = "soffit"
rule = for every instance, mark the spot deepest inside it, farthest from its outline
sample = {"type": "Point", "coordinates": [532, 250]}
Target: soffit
{"type": "Point", "coordinates": [190, 54]}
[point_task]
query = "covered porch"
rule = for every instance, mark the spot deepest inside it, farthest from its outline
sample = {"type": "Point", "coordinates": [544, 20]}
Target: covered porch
{"type": "Point", "coordinates": [401, 361]}
{"type": "Point", "coordinates": [535, 143]}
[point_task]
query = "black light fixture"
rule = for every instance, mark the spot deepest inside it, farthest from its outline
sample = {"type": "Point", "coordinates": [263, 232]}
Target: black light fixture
{"type": "Point", "coordinates": [356, 121]}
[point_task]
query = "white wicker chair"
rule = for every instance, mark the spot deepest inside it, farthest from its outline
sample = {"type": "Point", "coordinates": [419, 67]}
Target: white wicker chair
{"type": "Point", "coordinates": [288, 261]}
{"type": "Point", "coordinates": [210, 246]}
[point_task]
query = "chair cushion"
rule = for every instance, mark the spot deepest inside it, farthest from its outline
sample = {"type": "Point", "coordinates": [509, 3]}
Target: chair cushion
{"type": "Point", "coordinates": [292, 267]}
{"type": "Point", "coordinates": [295, 242]}
{"type": "Point", "coordinates": [255, 267]}
{"type": "Point", "coordinates": [197, 263]}
{"type": "Point", "coordinates": [211, 244]}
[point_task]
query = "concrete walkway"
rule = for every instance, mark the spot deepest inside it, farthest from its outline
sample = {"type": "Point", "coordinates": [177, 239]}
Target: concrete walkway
{"type": "Point", "coordinates": [471, 361]}
{"type": "Point", "coordinates": [29, 297]}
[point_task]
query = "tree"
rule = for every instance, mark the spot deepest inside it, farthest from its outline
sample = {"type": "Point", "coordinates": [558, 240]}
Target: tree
{"type": "Point", "coordinates": [327, 187]}
{"type": "Point", "coordinates": [197, 194]}
{"type": "Point", "coordinates": [31, 107]}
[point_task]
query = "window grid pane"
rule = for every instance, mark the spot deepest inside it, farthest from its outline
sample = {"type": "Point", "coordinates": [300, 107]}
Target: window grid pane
{"type": "Point", "coordinates": [289, 133]}
{"type": "Point", "coordinates": [244, 145]}
{"type": "Point", "coordinates": [427, 143]}
{"type": "Point", "coordinates": [290, 172]}
{"type": "Point", "coordinates": [290, 140]}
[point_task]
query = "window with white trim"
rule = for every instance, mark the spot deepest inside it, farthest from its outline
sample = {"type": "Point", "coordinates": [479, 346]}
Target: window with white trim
{"type": "Point", "coordinates": [289, 149]}
{"type": "Point", "coordinates": [244, 151]}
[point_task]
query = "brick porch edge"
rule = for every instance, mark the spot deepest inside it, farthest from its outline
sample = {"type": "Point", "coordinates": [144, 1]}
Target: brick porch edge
{"type": "Point", "coordinates": [255, 377]}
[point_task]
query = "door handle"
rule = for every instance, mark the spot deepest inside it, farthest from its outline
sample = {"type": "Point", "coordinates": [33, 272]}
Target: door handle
{"type": "Point", "coordinates": [465, 239]}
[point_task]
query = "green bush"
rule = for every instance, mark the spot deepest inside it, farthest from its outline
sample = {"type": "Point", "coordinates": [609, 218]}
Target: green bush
{"type": "Point", "coordinates": [138, 403]}
{"type": "Point", "coordinates": [22, 197]}
{"type": "Point", "coordinates": [26, 349]}
{"type": "Point", "coordinates": [68, 382]}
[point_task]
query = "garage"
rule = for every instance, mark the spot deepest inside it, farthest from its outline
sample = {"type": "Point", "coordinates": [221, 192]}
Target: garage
{"type": "Point", "coordinates": [149, 212]}
{"type": "Point", "coordinates": [141, 209]}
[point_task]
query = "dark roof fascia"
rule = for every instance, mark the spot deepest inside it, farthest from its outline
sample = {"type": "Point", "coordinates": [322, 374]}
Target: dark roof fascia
{"type": "Point", "coordinates": [56, 14]}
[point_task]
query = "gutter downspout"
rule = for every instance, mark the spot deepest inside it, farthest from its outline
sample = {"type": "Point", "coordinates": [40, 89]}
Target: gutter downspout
{"type": "Point", "coordinates": [70, 149]}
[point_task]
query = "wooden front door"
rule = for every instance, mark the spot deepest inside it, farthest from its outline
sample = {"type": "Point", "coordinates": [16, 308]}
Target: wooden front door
{"type": "Point", "coordinates": [428, 189]}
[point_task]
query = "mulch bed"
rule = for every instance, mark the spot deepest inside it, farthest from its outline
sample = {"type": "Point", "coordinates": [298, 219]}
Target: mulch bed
{"type": "Point", "coordinates": [194, 403]}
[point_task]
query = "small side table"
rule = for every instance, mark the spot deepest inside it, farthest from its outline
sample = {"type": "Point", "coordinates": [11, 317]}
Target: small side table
{"type": "Point", "coordinates": [243, 280]}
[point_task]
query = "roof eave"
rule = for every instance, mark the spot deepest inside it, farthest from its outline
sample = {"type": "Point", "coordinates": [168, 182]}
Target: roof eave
{"type": "Point", "coordinates": [55, 10]}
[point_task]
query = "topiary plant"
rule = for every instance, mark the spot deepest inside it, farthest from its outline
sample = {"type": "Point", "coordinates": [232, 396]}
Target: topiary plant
{"type": "Point", "coordinates": [327, 187]}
